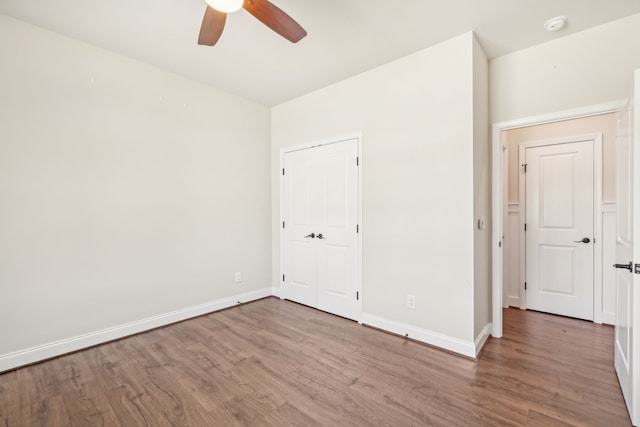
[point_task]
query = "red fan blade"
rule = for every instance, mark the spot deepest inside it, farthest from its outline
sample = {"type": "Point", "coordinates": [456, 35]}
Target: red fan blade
{"type": "Point", "coordinates": [212, 26]}
{"type": "Point", "coordinates": [274, 18]}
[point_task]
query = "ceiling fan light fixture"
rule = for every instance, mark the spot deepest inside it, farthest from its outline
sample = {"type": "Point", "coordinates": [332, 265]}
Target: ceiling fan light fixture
{"type": "Point", "coordinates": [264, 11]}
{"type": "Point", "coordinates": [227, 6]}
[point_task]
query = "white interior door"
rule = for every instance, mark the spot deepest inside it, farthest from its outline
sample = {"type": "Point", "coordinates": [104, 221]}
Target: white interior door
{"type": "Point", "coordinates": [337, 237]}
{"type": "Point", "coordinates": [560, 228]}
{"type": "Point", "coordinates": [627, 327]}
{"type": "Point", "coordinates": [321, 227]}
{"type": "Point", "coordinates": [300, 211]}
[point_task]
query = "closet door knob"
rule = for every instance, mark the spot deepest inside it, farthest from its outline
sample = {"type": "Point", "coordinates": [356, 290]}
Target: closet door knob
{"type": "Point", "coordinates": [320, 236]}
{"type": "Point", "coordinates": [583, 240]}
{"type": "Point", "coordinates": [312, 235]}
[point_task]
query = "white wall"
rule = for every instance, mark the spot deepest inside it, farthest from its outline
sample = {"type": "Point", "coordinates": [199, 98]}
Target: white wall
{"type": "Point", "coordinates": [586, 68]}
{"type": "Point", "coordinates": [127, 192]}
{"type": "Point", "coordinates": [416, 115]}
{"type": "Point", "coordinates": [481, 195]}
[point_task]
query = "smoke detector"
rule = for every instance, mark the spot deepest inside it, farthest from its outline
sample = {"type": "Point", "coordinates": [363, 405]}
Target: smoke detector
{"type": "Point", "coordinates": [555, 24]}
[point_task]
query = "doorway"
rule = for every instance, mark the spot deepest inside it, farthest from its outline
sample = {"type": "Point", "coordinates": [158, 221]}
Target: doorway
{"type": "Point", "coordinates": [507, 210]}
{"type": "Point", "coordinates": [321, 226]}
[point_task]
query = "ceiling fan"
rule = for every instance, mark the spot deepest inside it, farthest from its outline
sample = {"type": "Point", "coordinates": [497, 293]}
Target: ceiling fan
{"type": "Point", "coordinates": [270, 15]}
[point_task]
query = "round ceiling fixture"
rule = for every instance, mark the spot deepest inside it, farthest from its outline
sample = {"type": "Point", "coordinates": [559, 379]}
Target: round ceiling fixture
{"type": "Point", "coordinates": [555, 24]}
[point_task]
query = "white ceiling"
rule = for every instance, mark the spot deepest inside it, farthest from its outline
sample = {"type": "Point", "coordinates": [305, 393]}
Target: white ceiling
{"type": "Point", "coordinates": [345, 37]}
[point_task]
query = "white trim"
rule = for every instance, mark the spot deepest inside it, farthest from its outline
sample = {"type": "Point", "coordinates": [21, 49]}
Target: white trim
{"type": "Point", "coordinates": [522, 219]}
{"type": "Point", "coordinates": [46, 351]}
{"type": "Point", "coordinates": [482, 338]}
{"type": "Point", "coordinates": [505, 236]}
{"type": "Point", "coordinates": [317, 143]}
{"type": "Point", "coordinates": [496, 230]}
{"type": "Point", "coordinates": [561, 116]}
{"type": "Point", "coordinates": [361, 227]}
{"type": "Point", "coordinates": [510, 245]}
{"type": "Point", "coordinates": [608, 209]}
{"type": "Point", "coordinates": [465, 348]}
{"type": "Point", "coordinates": [598, 237]}
{"type": "Point", "coordinates": [346, 137]}
{"type": "Point", "coordinates": [275, 292]}
{"type": "Point", "coordinates": [497, 180]}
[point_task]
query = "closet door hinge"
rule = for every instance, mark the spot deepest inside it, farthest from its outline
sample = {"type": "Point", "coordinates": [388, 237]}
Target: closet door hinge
{"type": "Point", "coordinates": [283, 277]}
{"type": "Point", "coordinates": [357, 161]}
{"type": "Point", "coordinates": [282, 171]}
{"type": "Point", "coordinates": [357, 295]}
{"type": "Point", "coordinates": [282, 224]}
{"type": "Point", "coordinates": [525, 286]}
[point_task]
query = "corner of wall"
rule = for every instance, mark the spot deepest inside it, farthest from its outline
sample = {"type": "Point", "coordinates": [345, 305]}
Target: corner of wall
{"type": "Point", "coordinates": [482, 189]}
{"type": "Point", "coordinates": [482, 337]}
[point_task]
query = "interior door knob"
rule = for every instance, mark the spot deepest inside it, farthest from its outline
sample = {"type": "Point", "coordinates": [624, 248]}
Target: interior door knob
{"type": "Point", "coordinates": [583, 240]}
{"type": "Point", "coordinates": [624, 266]}
{"type": "Point", "coordinates": [320, 236]}
{"type": "Point", "coordinates": [312, 235]}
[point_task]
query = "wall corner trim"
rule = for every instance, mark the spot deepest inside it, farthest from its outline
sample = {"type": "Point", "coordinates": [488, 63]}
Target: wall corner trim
{"type": "Point", "coordinates": [464, 348]}
{"type": "Point", "coordinates": [39, 353]}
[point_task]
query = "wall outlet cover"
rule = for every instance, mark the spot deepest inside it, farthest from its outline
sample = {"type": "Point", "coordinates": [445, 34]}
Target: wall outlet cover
{"type": "Point", "coordinates": [411, 301]}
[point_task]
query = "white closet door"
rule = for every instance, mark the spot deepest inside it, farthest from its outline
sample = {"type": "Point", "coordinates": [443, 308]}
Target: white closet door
{"type": "Point", "coordinates": [321, 234]}
{"type": "Point", "coordinates": [300, 213]}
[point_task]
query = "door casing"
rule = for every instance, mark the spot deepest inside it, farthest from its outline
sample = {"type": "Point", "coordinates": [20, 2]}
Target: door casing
{"type": "Point", "coordinates": [332, 140]}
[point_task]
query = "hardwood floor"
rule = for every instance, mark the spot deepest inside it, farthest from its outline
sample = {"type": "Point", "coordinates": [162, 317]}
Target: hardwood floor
{"type": "Point", "coordinates": [276, 363]}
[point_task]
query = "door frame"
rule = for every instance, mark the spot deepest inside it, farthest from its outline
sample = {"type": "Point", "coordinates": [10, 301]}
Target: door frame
{"type": "Point", "coordinates": [317, 143]}
{"type": "Point", "coordinates": [597, 212]}
{"type": "Point", "coordinates": [498, 180]}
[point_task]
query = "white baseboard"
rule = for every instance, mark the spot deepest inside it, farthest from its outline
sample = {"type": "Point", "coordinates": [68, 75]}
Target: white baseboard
{"type": "Point", "coordinates": [46, 351]}
{"type": "Point", "coordinates": [482, 337]}
{"type": "Point", "coordinates": [512, 302]}
{"type": "Point", "coordinates": [465, 348]}
{"type": "Point", "coordinates": [275, 291]}
{"type": "Point", "coordinates": [608, 318]}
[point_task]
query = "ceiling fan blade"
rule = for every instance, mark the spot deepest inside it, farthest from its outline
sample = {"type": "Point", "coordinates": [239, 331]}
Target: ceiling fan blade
{"type": "Point", "coordinates": [212, 26]}
{"type": "Point", "coordinates": [274, 18]}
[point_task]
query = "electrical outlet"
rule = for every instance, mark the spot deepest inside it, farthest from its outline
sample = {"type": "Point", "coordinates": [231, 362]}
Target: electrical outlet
{"type": "Point", "coordinates": [411, 301]}
{"type": "Point", "coordinates": [238, 277]}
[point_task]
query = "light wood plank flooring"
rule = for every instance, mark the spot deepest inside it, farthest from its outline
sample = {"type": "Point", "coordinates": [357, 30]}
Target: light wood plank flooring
{"type": "Point", "coordinates": [276, 363]}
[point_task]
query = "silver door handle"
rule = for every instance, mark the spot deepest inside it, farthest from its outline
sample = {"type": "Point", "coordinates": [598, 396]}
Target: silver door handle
{"type": "Point", "coordinates": [583, 240]}
{"type": "Point", "coordinates": [320, 236]}
{"type": "Point", "coordinates": [312, 235]}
